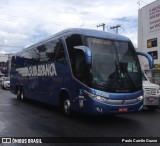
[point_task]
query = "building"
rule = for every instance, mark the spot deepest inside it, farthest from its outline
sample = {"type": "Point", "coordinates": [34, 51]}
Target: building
{"type": "Point", "coordinates": [3, 58]}
{"type": "Point", "coordinates": [3, 63]}
{"type": "Point", "coordinates": [149, 38]}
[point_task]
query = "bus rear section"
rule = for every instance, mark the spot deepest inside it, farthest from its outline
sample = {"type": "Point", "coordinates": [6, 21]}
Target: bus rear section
{"type": "Point", "coordinates": [88, 71]}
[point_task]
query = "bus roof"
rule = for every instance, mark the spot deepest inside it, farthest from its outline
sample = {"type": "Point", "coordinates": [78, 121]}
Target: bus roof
{"type": "Point", "coordinates": [87, 32]}
{"type": "Point", "coordinates": [92, 32]}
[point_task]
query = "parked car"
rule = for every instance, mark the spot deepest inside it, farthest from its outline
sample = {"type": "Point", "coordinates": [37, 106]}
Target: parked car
{"type": "Point", "coordinates": [151, 93]}
{"type": "Point", "coordinates": [6, 83]}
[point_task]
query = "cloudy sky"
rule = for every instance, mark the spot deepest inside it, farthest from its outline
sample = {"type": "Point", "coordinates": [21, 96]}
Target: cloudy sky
{"type": "Point", "coordinates": [24, 22]}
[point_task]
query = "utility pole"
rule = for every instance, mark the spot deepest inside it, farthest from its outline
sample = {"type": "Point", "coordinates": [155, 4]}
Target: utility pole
{"type": "Point", "coordinates": [115, 27]}
{"type": "Point", "coordinates": [103, 25]}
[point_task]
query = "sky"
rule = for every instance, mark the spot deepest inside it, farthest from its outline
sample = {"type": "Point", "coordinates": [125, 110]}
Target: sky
{"type": "Point", "coordinates": [25, 22]}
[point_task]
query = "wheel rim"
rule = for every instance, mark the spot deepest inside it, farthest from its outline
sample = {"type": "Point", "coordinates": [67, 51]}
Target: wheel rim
{"type": "Point", "coordinates": [22, 97]}
{"type": "Point", "coordinates": [67, 106]}
{"type": "Point", "coordinates": [18, 94]}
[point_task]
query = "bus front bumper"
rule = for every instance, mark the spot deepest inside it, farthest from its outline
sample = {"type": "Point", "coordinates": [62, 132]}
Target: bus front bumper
{"type": "Point", "coordinates": [117, 106]}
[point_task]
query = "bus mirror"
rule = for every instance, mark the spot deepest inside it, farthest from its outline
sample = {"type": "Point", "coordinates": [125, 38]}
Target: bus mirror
{"type": "Point", "coordinates": [87, 52]}
{"type": "Point", "coordinates": [149, 57]}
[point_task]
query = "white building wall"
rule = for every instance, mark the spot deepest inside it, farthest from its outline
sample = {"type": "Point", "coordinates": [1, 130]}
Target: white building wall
{"type": "Point", "coordinates": [3, 58]}
{"type": "Point", "coordinates": [149, 28]}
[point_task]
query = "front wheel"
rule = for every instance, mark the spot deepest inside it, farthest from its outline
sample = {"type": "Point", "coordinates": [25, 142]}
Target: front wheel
{"type": "Point", "coordinates": [67, 106]}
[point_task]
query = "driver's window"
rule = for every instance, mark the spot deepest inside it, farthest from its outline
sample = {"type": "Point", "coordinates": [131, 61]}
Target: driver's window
{"type": "Point", "coordinates": [79, 68]}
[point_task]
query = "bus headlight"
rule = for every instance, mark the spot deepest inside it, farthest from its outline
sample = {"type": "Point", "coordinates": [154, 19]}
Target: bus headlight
{"type": "Point", "coordinates": [100, 99]}
{"type": "Point", "coordinates": [140, 98]}
{"type": "Point", "coordinates": [158, 91]}
{"type": "Point", "coordinates": [96, 97]}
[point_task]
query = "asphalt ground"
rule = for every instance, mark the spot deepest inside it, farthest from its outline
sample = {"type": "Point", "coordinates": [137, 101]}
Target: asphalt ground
{"type": "Point", "coordinates": [32, 119]}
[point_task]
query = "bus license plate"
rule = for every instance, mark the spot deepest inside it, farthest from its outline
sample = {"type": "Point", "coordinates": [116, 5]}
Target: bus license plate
{"type": "Point", "coordinates": [123, 109]}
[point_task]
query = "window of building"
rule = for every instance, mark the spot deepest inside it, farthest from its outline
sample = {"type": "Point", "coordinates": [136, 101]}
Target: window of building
{"type": "Point", "coordinates": [152, 43]}
{"type": "Point", "coordinates": [154, 54]}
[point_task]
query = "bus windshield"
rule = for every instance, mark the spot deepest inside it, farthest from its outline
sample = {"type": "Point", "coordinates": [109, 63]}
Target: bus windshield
{"type": "Point", "coordinates": [115, 65]}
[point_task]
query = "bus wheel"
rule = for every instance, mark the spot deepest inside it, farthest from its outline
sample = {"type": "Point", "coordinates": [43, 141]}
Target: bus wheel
{"type": "Point", "coordinates": [22, 95]}
{"type": "Point", "coordinates": [18, 95]}
{"type": "Point", "coordinates": [67, 106]}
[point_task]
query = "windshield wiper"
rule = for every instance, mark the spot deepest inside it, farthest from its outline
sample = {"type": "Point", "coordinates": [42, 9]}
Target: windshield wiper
{"type": "Point", "coordinates": [124, 71]}
{"type": "Point", "coordinates": [115, 76]}
{"type": "Point", "coordinates": [119, 75]}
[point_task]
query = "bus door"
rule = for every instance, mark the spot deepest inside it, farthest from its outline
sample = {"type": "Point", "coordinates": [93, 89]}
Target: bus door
{"type": "Point", "coordinates": [78, 68]}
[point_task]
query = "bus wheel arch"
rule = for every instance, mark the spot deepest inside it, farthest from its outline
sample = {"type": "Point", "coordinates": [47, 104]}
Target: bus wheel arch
{"type": "Point", "coordinates": [65, 103]}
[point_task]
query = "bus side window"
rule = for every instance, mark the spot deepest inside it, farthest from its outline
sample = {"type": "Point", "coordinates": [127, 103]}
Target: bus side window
{"type": "Point", "coordinates": [77, 57]}
{"type": "Point", "coordinates": [51, 50]}
{"type": "Point", "coordinates": [13, 60]}
{"type": "Point", "coordinates": [19, 60]}
{"type": "Point", "coordinates": [60, 55]}
{"type": "Point", "coordinates": [71, 41]}
{"type": "Point", "coordinates": [45, 52]}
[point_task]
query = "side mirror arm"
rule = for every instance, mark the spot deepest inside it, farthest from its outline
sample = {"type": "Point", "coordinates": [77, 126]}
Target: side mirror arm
{"type": "Point", "coordinates": [149, 57]}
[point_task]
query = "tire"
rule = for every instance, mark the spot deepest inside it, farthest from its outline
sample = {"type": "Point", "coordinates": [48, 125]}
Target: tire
{"type": "Point", "coordinates": [3, 87]}
{"type": "Point", "coordinates": [22, 95]}
{"type": "Point", "coordinates": [67, 107]}
{"type": "Point", "coordinates": [18, 94]}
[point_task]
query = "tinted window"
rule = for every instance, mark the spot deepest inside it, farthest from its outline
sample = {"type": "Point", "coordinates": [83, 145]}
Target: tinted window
{"type": "Point", "coordinates": [60, 55]}
{"type": "Point", "coordinates": [46, 52]}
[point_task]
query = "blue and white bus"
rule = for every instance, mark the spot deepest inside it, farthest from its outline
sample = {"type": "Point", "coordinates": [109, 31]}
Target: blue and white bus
{"type": "Point", "coordinates": [82, 70]}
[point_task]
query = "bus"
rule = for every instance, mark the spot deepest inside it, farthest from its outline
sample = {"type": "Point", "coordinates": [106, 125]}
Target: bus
{"type": "Point", "coordinates": [83, 70]}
